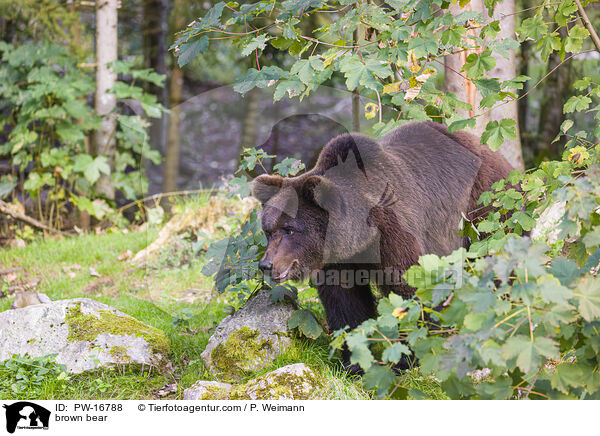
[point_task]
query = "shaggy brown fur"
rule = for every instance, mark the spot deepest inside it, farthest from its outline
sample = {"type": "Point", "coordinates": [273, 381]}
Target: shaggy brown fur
{"type": "Point", "coordinates": [373, 206]}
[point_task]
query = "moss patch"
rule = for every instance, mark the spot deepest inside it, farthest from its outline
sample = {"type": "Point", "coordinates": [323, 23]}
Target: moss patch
{"type": "Point", "coordinates": [119, 353]}
{"type": "Point", "coordinates": [272, 386]}
{"type": "Point", "coordinates": [87, 327]}
{"type": "Point", "coordinates": [242, 353]}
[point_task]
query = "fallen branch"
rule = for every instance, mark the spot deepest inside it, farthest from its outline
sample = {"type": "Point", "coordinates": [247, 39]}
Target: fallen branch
{"type": "Point", "coordinates": [160, 195]}
{"type": "Point", "coordinates": [588, 25]}
{"type": "Point", "coordinates": [10, 270]}
{"type": "Point", "coordinates": [6, 209]}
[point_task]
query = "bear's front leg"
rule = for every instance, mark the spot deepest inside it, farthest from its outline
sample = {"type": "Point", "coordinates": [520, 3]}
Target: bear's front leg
{"type": "Point", "coordinates": [346, 307]}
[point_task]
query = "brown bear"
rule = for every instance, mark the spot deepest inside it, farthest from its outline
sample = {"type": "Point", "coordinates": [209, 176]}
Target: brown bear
{"type": "Point", "coordinates": [367, 210]}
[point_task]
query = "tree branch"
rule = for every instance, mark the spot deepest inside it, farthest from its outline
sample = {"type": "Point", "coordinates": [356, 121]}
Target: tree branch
{"type": "Point", "coordinates": [588, 25]}
{"type": "Point", "coordinates": [6, 209]}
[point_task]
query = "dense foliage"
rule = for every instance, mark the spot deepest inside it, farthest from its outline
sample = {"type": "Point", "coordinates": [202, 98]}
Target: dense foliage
{"type": "Point", "coordinates": [391, 52]}
{"type": "Point", "coordinates": [48, 117]}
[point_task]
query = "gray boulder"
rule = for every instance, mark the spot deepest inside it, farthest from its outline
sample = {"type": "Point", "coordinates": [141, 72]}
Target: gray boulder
{"type": "Point", "coordinates": [250, 339]}
{"type": "Point", "coordinates": [84, 333]}
{"type": "Point", "coordinates": [291, 382]}
{"type": "Point", "coordinates": [204, 389]}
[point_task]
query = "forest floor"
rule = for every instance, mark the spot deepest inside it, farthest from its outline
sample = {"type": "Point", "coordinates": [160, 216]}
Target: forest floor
{"type": "Point", "coordinates": [178, 300]}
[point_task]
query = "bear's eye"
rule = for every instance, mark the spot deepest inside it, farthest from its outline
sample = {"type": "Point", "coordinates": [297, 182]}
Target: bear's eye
{"type": "Point", "coordinates": [288, 231]}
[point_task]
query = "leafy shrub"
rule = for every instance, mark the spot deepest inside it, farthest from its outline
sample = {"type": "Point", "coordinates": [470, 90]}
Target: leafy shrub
{"type": "Point", "coordinates": [391, 53]}
{"type": "Point", "coordinates": [24, 375]}
{"type": "Point", "coordinates": [44, 108]}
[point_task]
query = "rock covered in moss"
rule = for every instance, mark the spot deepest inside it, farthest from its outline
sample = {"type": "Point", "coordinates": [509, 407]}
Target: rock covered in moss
{"type": "Point", "coordinates": [84, 333]}
{"type": "Point", "coordinates": [291, 382]}
{"type": "Point", "coordinates": [250, 339]}
{"type": "Point", "coordinates": [205, 388]}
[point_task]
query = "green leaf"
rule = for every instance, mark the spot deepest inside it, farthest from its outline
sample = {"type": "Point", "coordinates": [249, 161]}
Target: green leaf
{"type": "Point", "coordinates": [453, 36]}
{"type": "Point", "coordinates": [189, 50]}
{"type": "Point", "coordinates": [564, 12]}
{"type": "Point", "coordinates": [258, 42]}
{"type": "Point", "coordinates": [592, 238]}
{"type": "Point", "coordinates": [362, 356]}
{"type": "Point", "coordinates": [93, 169]}
{"type": "Point", "coordinates": [565, 376]}
{"type": "Point", "coordinates": [365, 74]}
{"type": "Point", "coordinates": [548, 44]}
{"type": "Point", "coordinates": [6, 186]}
{"type": "Point", "coordinates": [577, 103]}
{"type": "Point", "coordinates": [293, 88]}
{"type": "Point", "coordinates": [304, 70]}
{"type": "Point", "coordinates": [530, 355]}
{"type": "Point", "coordinates": [422, 47]}
{"type": "Point", "coordinates": [532, 28]}
{"type": "Point", "coordinates": [394, 352]}
{"type": "Point", "coordinates": [524, 219]}
{"type": "Point", "coordinates": [289, 167]}
{"type": "Point", "coordinates": [552, 291]}
{"type": "Point", "coordinates": [281, 292]}
{"type": "Point", "coordinates": [299, 6]}
{"type": "Point", "coordinates": [380, 378]}
{"type": "Point", "coordinates": [574, 42]}
{"type": "Point", "coordinates": [476, 65]}
{"type": "Point", "coordinates": [457, 388]}
{"type": "Point", "coordinates": [499, 389]}
{"type": "Point", "coordinates": [496, 132]}
{"type": "Point", "coordinates": [588, 298]}
{"type": "Point", "coordinates": [257, 79]}
{"type": "Point", "coordinates": [305, 321]}
{"type": "Point", "coordinates": [487, 86]}
{"type": "Point", "coordinates": [565, 270]}
{"type": "Point", "coordinates": [462, 124]}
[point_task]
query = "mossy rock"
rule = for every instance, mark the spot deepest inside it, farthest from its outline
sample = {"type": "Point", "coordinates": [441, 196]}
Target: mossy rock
{"type": "Point", "coordinates": [207, 388]}
{"type": "Point", "coordinates": [249, 340]}
{"type": "Point", "coordinates": [84, 333]}
{"type": "Point", "coordinates": [243, 353]}
{"type": "Point", "coordinates": [291, 382]}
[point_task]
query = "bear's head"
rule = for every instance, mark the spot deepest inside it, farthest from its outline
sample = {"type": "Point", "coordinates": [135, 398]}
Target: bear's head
{"type": "Point", "coordinates": [294, 223]}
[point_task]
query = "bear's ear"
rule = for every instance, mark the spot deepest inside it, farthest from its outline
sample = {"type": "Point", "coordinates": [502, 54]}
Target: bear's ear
{"type": "Point", "coordinates": [265, 187]}
{"type": "Point", "coordinates": [322, 192]}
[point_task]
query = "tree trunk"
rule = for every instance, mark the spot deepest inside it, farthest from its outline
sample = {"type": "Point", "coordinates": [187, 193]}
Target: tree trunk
{"type": "Point", "coordinates": [506, 69]}
{"type": "Point", "coordinates": [171, 168]}
{"type": "Point", "coordinates": [457, 83]}
{"type": "Point", "coordinates": [523, 98]}
{"type": "Point", "coordinates": [77, 44]}
{"type": "Point", "coordinates": [155, 30]}
{"type": "Point", "coordinates": [250, 122]}
{"type": "Point", "coordinates": [171, 171]}
{"type": "Point", "coordinates": [557, 89]}
{"type": "Point", "coordinates": [104, 142]}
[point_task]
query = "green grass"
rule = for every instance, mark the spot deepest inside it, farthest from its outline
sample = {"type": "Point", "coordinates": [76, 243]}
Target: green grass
{"type": "Point", "coordinates": [155, 296]}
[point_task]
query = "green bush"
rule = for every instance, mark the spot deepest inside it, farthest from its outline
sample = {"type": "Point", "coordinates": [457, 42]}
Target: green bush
{"type": "Point", "coordinates": [44, 107]}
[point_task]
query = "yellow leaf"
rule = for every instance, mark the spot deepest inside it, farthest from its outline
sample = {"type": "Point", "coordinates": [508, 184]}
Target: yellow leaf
{"type": "Point", "coordinates": [578, 154]}
{"type": "Point", "coordinates": [392, 87]}
{"type": "Point", "coordinates": [399, 312]}
{"type": "Point", "coordinates": [413, 62]}
{"type": "Point", "coordinates": [371, 110]}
